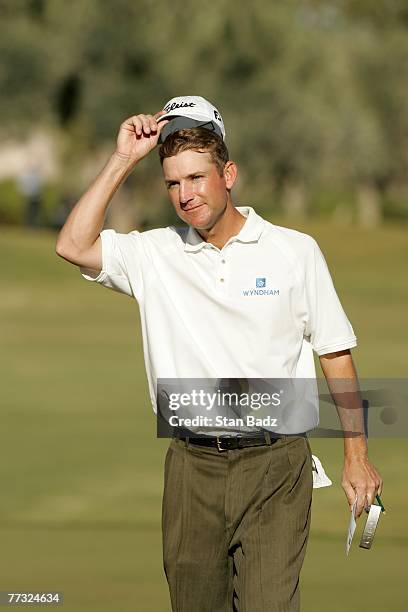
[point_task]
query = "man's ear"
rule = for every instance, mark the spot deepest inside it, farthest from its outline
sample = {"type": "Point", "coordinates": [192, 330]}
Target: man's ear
{"type": "Point", "coordinates": [230, 173]}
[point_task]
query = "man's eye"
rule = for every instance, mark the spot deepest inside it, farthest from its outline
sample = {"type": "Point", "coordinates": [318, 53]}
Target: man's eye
{"type": "Point", "coordinates": [171, 185]}
{"type": "Point", "coordinates": [198, 176]}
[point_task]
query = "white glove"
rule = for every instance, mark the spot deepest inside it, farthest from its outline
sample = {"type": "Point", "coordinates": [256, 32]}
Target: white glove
{"type": "Point", "coordinates": [320, 478]}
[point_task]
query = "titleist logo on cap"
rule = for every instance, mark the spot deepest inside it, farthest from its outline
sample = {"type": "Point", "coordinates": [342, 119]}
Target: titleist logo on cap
{"type": "Point", "coordinates": [171, 107]}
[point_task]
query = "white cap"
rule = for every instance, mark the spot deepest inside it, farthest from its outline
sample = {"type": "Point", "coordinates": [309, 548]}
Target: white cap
{"type": "Point", "coordinates": [196, 108]}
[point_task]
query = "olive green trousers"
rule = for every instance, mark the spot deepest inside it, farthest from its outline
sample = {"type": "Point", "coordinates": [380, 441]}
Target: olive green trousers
{"type": "Point", "coordinates": [235, 525]}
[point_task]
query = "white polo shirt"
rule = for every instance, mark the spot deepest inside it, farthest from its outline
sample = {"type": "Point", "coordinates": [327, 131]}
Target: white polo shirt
{"type": "Point", "coordinates": [253, 309]}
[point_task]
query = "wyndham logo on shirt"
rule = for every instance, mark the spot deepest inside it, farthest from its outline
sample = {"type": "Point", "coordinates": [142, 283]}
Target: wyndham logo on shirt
{"type": "Point", "coordinates": [260, 284]}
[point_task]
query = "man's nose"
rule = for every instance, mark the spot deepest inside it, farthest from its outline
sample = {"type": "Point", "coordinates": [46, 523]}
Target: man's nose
{"type": "Point", "coordinates": [186, 192]}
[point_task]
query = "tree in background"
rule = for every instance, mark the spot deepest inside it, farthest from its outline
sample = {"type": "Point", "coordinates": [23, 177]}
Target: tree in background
{"type": "Point", "coordinates": [312, 93]}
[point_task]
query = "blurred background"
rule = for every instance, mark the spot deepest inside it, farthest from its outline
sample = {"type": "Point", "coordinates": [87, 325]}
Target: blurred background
{"type": "Point", "coordinates": [313, 96]}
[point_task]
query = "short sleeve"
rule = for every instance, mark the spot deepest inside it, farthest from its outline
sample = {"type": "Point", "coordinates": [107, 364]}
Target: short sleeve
{"type": "Point", "coordinates": [121, 263]}
{"type": "Point", "coordinates": [327, 325]}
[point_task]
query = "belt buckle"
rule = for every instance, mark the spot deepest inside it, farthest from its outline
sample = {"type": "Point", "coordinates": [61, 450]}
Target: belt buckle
{"type": "Point", "coordinates": [219, 443]}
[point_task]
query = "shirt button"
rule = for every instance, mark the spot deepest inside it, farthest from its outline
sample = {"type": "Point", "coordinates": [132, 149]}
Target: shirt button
{"type": "Point", "coordinates": [222, 260]}
{"type": "Point", "coordinates": [222, 280]}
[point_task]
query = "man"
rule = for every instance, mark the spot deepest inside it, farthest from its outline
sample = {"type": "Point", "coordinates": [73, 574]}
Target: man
{"type": "Point", "coordinates": [231, 297]}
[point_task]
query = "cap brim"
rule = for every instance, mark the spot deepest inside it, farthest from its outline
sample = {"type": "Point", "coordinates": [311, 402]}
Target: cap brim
{"type": "Point", "coordinates": [174, 114]}
{"type": "Point", "coordinates": [179, 122]}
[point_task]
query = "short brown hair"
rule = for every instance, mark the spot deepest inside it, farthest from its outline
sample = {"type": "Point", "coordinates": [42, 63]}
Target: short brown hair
{"type": "Point", "coordinates": [196, 139]}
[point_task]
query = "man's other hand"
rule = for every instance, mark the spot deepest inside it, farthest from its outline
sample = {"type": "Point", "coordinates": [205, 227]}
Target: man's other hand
{"type": "Point", "coordinates": [360, 478]}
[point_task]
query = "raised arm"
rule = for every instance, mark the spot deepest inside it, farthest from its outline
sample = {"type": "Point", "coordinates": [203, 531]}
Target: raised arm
{"type": "Point", "coordinates": [78, 241]}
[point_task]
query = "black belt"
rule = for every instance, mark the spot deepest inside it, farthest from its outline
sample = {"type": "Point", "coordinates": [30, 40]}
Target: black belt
{"type": "Point", "coordinates": [224, 443]}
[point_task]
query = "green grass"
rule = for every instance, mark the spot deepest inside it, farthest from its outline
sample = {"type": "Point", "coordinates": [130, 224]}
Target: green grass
{"type": "Point", "coordinates": [81, 468]}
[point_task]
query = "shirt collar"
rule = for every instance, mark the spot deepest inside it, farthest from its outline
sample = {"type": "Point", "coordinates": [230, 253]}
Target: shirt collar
{"type": "Point", "coordinates": [250, 231]}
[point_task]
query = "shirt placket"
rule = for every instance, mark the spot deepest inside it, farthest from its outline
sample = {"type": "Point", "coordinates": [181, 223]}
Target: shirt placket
{"type": "Point", "coordinates": [222, 270]}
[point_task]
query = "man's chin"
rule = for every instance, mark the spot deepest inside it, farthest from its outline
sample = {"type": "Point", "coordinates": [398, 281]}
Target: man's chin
{"type": "Point", "coordinates": [200, 226]}
{"type": "Point", "coordinates": [198, 220]}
